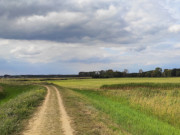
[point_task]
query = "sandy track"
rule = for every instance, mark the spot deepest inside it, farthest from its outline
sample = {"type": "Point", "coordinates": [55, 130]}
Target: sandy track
{"type": "Point", "coordinates": [65, 118]}
{"type": "Point", "coordinates": [51, 118]}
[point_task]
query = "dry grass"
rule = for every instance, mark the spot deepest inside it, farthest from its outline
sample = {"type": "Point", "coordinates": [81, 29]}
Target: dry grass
{"type": "Point", "coordinates": [157, 98]}
{"type": "Point", "coordinates": [14, 111]}
{"type": "Point", "coordinates": [86, 119]}
{"type": "Point", "coordinates": [164, 104]}
{"type": "Point", "coordinates": [97, 83]}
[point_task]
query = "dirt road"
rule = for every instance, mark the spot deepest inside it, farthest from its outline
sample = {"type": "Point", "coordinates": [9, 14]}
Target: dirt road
{"type": "Point", "coordinates": [51, 118]}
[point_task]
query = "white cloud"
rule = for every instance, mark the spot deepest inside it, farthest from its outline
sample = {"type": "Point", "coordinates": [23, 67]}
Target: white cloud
{"type": "Point", "coordinates": [38, 51]}
{"type": "Point", "coordinates": [177, 46]}
{"type": "Point", "coordinates": [174, 28]}
{"type": "Point", "coordinates": [35, 51]}
{"type": "Point", "coordinates": [88, 31]}
{"type": "Point", "coordinates": [59, 19]}
{"type": "Point", "coordinates": [106, 13]}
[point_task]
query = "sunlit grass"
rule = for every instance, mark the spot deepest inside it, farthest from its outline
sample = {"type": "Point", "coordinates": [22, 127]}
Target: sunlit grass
{"type": "Point", "coordinates": [163, 86]}
{"type": "Point", "coordinates": [142, 106]}
{"type": "Point", "coordinates": [10, 91]}
{"type": "Point", "coordinates": [164, 104]}
{"type": "Point", "coordinates": [97, 83]}
{"type": "Point", "coordinates": [17, 109]}
{"type": "Point", "coordinates": [132, 120]}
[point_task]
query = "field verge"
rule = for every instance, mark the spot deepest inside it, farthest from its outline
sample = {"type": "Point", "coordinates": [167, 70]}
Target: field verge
{"type": "Point", "coordinates": [15, 110]}
{"type": "Point", "coordinates": [10, 91]}
{"type": "Point", "coordinates": [131, 120]}
{"type": "Point", "coordinates": [86, 119]}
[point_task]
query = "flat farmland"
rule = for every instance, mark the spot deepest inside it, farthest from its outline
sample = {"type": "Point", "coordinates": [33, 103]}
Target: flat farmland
{"type": "Point", "coordinates": [97, 83]}
{"type": "Point", "coordinates": [112, 106]}
{"type": "Point", "coordinates": [138, 106]}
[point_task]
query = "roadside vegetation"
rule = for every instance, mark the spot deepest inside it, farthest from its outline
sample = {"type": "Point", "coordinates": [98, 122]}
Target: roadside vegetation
{"type": "Point", "coordinates": [85, 118]}
{"type": "Point", "coordinates": [116, 106]}
{"type": "Point", "coordinates": [9, 91]}
{"type": "Point", "coordinates": [17, 103]}
{"type": "Point", "coordinates": [132, 117]}
{"type": "Point", "coordinates": [157, 99]}
{"type": "Point", "coordinates": [141, 106]}
{"type": "Point", "coordinates": [163, 86]}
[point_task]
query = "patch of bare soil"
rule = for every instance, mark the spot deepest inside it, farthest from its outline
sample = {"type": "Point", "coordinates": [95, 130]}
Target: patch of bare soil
{"type": "Point", "coordinates": [64, 117]}
{"type": "Point", "coordinates": [51, 118]}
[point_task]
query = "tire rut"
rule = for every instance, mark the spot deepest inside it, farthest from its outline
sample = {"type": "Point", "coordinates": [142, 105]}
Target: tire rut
{"type": "Point", "coordinates": [51, 118]}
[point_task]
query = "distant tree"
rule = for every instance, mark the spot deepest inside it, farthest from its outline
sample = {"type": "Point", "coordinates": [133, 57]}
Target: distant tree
{"type": "Point", "coordinates": [167, 73]}
{"type": "Point", "coordinates": [140, 71]}
{"type": "Point", "coordinates": [94, 74]}
{"type": "Point", "coordinates": [109, 73]}
{"type": "Point", "coordinates": [83, 74]}
{"type": "Point", "coordinates": [143, 74]}
{"type": "Point", "coordinates": [102, 74]}
{"type": "Point", "coordinates": [148, 73]}
{"type": "Point", "coordinates": [118, 74]}
{"type": "Point", "coordinates": [7, 76]}
{"type": "Point", "coordinates": [157, 72]}
{"type": "Point", "coordinates": [178, 72]}
{"type": "Point", "coordinates": [125, 72]}
{"type": "Point", "coordinates": [133, 74]}
{"type": "Point", "coordinates": [173, 72]}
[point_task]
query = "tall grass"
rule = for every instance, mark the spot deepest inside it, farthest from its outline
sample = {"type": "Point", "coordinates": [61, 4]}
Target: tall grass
{"type": "Point", "coordinates": [157, 99]}
{"type": "Point", "coordinates": [132, 120]}
{"type": "Point", "coordinates": [163, 104]}
{"type": "Point", "coordinates": [2, 94]}
{"type": "Point", "coordinates": [10, 91]}
{"type": "Point", "coordinates": [163, 86]}
{"type": "Point", "coordinates": [17, 109]}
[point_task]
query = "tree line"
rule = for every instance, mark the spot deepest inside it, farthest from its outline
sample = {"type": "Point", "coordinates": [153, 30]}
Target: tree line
{"type": "Point", "coordinates": [38, 76]}
{"type": "Point", "coordinates": [157, 72]}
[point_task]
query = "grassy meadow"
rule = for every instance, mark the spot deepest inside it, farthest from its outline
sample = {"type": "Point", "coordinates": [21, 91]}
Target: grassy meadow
{"type": "Point", "coordinates": [138, 106]}
{"type": "Point", "coordinates": [17, 103]}
{"type": "Point", "coordinates": [97, 83]}
{"type": "Point", "coordinates": [116, 106]}
{"type": "Point", "coordinates": [9, 91]}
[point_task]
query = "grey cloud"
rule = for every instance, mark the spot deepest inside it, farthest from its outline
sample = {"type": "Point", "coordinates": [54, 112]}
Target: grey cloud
{"type": "Point", "coordinates": [18, 8]}
{"type": "Point", "coordinates": [91, 60]}
{"type": "Point", "coordinates": [88, 34]}
{"type": "Point", "coordinates": [114, 21]}
{"type": "Point", "coordinates": [25, 55]}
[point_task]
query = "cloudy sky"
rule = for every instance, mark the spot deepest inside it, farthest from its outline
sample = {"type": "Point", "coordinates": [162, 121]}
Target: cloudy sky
{"type": "Point", "coordinates": [65, 37]}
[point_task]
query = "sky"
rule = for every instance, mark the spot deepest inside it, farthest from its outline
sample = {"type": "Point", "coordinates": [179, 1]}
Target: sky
{"type": "Point", "coordinates": [66, 37]}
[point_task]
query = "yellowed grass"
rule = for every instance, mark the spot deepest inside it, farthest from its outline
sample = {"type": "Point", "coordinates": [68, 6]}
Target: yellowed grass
{"type": "Point", "coordinates": [97, 83]}
{"type": "Point", "coordinates": [1, 89]}
{"type": "Point", "coordinates": [165, 105]}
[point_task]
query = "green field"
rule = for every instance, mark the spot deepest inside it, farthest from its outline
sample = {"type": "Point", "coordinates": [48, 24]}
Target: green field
{"type": "Point", "coordinates": [117, 106]}
{"type": "Point", "coordinates": [97, 83]}
{"type": "Point", "coordinates": [17, 103]}
{"type": "Point", "coordinates": [10, 91]}
{"type": "Point", "coordinates": [139, 106]}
